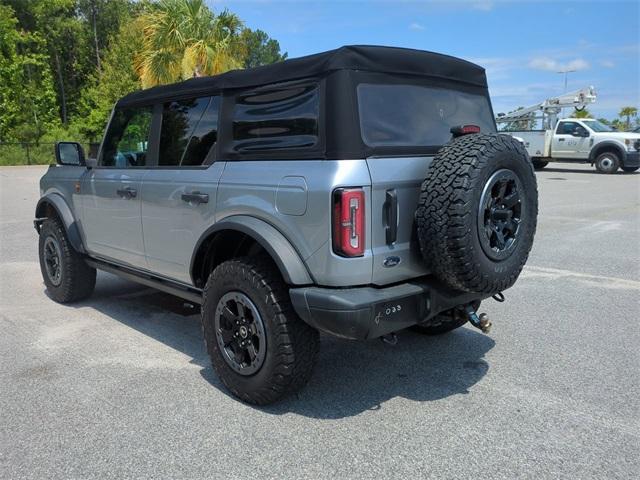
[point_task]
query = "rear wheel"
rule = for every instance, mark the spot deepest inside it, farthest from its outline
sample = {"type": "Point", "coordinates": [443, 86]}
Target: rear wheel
{"type": "Point", "coordinates": [607, 162]}
{"type": "Point", "coordinates": [539, 164]}
{"type": "Point", "coordinates": [65, 273]}
{"type": "Point", "coordinates": [630, 169]}
{"type": "Point", "coordinates": [260, 349]}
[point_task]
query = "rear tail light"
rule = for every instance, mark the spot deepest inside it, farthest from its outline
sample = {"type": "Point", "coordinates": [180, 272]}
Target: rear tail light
{"type": "Point", "coordinates": [460, 130]}
{"type": "Point", "coordinates": [348, 222]}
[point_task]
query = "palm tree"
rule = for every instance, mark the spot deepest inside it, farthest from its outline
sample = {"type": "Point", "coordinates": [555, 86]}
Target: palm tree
{"type": "Point", "coordinates": [584, 113]}
{"type": "Point", "coordinates": [183, 39]}
{"type": "Point", "coordinates": [628, 112]}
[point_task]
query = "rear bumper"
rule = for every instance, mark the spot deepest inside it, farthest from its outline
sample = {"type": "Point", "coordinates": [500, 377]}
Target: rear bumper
{"type": "Point", "coordinates": [632, 159]}
{"type": "Point", "coordinates": [368, 312]}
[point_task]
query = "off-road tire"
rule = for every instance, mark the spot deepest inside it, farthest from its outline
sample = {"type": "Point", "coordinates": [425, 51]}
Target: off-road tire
{"type": "Point", "coordinates": [77, 279]}
{"type": "Point", "coordinates": [630, 169]}
{"type": "Point", "coordinates": [448, 212]}
{"type": "Point", "coordinates": [291, 344]}
{"type": "Point", "coordinates": [539, 164]}
{"type": "Point", "coordinates": [607, 166]}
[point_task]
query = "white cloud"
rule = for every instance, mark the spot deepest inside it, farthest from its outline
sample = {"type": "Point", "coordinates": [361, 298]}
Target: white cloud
{"type": "Point", "coordinates": [484, 5]}
{"type": "Point", "coordinates": [496, 67]}
{"type": "Point", "coordinates": [546, 63]}
{"type": "Point", "coordinates": [416, 26]}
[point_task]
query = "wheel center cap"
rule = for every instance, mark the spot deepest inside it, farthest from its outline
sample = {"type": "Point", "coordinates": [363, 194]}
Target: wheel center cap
{"type": "Point", "coordinates": [243, 331]}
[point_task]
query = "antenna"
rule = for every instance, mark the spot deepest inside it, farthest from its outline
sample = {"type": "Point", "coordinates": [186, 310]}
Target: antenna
{"type": "Point", "coordinates": [565, 77]}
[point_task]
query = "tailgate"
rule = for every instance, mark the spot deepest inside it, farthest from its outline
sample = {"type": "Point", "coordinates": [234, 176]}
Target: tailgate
{"type": "Point", "coordinates": [395, 180]}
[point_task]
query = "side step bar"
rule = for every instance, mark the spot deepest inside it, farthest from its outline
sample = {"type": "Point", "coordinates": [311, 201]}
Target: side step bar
{"type": "Point", "coordinates": [193, 295]}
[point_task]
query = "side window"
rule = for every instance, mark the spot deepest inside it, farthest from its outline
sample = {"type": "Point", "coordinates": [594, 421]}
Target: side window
{"type": "Point", "coordinates": [566, 128]}
{"type": "Point", "coordinates": [189, 131]}
{"type": "Point", "coordinates": [276, 119]}
{"type": "Point", "coordinates": [127, 139]}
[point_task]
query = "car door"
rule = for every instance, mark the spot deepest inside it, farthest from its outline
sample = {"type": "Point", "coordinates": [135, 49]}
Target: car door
{"type": "Point", "coordinates": [179, 193]}
{"type": "Point", "coordinates": [111, 190]}
{"type": "Point", "coordinates": [565, 144]}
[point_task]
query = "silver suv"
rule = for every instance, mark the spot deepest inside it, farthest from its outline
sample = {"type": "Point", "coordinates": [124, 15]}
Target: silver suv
{"type": "Point", "coordinates": [355, 192]}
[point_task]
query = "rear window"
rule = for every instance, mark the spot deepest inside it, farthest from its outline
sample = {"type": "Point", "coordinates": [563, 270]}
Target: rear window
{"type": "Point", "coordinates": [276, 119]}
{"type": "Point", "coordinates": [414, 115]}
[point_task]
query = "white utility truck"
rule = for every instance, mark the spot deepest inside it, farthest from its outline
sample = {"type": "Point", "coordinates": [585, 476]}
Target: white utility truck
{"type": "Point", "coordinates": [582, 140]}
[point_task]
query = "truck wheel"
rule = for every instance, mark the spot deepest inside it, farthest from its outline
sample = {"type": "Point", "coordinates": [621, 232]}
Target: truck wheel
{"type": "Point", "coordinates": [477, 213]}
{"type": "Point", "coordinates": [607, 162]}
{"type": "Point", "coordinates": [630, 169]}
{"type": "Point", "coordinates": [539, 164]}
{"type": "Point", "coordinates": [258, 346]}
{"type": "Point", "coordinates": [65, 273]}
{"type": "Point", "coordinates": [444, 322]}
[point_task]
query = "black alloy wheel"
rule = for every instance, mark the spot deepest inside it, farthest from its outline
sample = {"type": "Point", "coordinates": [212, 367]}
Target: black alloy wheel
{"type": "Point", "coordinates": [52, 260]}
{"type": "Point", "coordinates": [240, 333]}
{"type": "Point", "coordinates": [500, 214]}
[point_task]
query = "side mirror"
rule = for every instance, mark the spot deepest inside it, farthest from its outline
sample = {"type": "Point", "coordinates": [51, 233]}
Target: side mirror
{"type": "Point", "coordinates": [70, 153]}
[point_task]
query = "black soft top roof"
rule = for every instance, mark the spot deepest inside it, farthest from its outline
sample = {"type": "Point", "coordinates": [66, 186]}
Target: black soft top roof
{"type": "Point", "coordinates": [393, 60]}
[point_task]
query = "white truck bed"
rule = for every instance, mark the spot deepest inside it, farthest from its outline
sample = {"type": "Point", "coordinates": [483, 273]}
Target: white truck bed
{"type": "Point", "coordinates": [537, 142]}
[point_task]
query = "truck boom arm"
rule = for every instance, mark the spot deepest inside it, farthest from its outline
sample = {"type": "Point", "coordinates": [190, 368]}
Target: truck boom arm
{"type": "Point", "coordinates": [550, 108]}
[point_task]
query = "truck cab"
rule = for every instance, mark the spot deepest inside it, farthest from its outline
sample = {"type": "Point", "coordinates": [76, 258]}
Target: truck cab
{"type": "Point", "coordinates": [583, 140]}
{"type": "Point", "coordinates": [589, 140]}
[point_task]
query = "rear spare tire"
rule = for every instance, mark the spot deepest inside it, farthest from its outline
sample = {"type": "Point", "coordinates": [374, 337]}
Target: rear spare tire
{"type": "Point", "coordinates": [477, 213]}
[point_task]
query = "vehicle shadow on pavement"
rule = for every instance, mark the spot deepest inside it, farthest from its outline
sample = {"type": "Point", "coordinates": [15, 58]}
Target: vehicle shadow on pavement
{"type": "Point", "coordinates": [353, 377]}
{"type": "Point", "coordinates": [163, 317]}
{"type": "Point", "coordinates": [350, 377]}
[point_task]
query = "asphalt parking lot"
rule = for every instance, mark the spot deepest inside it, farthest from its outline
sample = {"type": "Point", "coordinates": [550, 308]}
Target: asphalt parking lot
{"type": "Point", "coordinates": [120, 386]}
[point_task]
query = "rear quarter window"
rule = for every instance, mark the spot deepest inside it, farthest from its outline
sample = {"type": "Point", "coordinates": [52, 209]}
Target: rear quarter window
{"type": "Point", "coordinates": [278, 119]}
{"type": "Point", "coordinates": [415, 115]}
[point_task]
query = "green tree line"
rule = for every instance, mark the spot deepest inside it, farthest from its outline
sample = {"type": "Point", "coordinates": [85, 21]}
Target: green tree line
{"type": "Point", "coordinates": [627, 118]}
{"type": "Point", "coordinates": [64, 63]}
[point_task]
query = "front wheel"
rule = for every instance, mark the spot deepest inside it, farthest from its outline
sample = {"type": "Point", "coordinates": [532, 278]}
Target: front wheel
{"type": "Point", "coordinates": [260, 349]}
{"type": "Point", "coordinates": [607, 162]}
{"type": "Point", "coordinates": [65, 273]}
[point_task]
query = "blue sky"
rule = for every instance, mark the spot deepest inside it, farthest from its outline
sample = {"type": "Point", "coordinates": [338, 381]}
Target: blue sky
{"type": "Point", "coordinates": [521, 44]}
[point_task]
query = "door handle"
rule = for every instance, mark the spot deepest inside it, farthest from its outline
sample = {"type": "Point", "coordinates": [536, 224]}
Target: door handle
{"type": "Point", "coordinates": [195, 197]}
{"type": "Point", "coordinates": [127, 193]}
{"type": "Point", "coordinates": [391, 211]}
{"type": "Point", "coordinates": [561, 139]}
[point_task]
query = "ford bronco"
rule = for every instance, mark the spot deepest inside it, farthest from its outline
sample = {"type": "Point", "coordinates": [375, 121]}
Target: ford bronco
{"type": "Point", "coordinates": [356, 192]}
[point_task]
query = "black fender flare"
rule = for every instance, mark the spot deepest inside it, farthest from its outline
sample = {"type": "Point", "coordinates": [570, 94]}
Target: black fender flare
{"type": "Point", "coordinates": [59, 204]}
{"type": "Point", "coordinates": [286, 257]}
{"type": "Point", "coordinates": [607, 145]}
